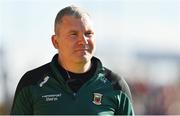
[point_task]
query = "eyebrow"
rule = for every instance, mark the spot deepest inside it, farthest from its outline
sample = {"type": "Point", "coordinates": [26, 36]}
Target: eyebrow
{"type": "Point", "coordinates": [89, 31]}
{"type": "Point", "coordinates": [72, 31]}
{"type": "Point", "coordinates": [75, 31]}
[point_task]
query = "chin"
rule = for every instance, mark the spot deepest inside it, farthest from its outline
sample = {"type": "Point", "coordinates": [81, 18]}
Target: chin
{"type": "Point", "coordinates": [84, 59]}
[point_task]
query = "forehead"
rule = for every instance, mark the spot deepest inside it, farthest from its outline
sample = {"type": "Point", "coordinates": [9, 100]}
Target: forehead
{"type": "Point", "coordinates": [74, 22]}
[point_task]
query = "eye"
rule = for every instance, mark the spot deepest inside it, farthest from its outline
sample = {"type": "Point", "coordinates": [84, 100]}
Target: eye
{"type": "Point", "coordinates": [73, 35]}
{"type": "Point", "coordinates": [89, 34]}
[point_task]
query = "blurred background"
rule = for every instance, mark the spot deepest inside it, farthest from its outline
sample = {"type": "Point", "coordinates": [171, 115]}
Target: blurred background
{"type": "Point", "coordinates": [138, 39]}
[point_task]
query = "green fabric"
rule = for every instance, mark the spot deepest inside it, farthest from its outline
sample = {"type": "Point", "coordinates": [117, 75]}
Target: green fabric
{"type": "Point", "coordinates": [53, 96]}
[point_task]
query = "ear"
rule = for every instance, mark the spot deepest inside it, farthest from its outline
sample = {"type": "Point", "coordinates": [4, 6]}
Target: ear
{"type": "Point", "coordinates": [54, 41]}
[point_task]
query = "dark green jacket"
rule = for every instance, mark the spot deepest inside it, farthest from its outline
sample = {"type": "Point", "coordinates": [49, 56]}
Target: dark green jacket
{"type": "Point", "coordinates": [44, 91]}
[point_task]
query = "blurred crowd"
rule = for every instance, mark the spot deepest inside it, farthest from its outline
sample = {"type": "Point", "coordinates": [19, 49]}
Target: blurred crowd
{"type": "Point", "coordinates": [156, 100]}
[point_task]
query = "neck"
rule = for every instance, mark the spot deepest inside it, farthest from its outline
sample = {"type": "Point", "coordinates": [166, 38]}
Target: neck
{"type": "Point", "coordinates": [81, 67]}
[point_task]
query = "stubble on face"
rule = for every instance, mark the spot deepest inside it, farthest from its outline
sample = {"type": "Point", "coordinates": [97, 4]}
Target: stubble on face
{"type": "Point", "coordinates": [69, 47]}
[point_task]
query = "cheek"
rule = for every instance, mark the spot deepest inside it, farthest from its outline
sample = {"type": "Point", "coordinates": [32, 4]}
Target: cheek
{"type": "Point", "coordinates": [61, 45]}
{"type": "Point", "coordinates": [66, 45]}
{"type": "Point", "coordinates": [92, 44]}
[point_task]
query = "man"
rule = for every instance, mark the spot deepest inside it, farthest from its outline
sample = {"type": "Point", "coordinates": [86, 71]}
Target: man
{"type": "Point", "coordinates": [74, 82]}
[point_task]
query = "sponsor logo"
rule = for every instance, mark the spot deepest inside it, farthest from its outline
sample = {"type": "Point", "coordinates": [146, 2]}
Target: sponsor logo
{"type": "Point", "coordinates": [51, 97]}
{"type": "Point", "coordinates": [97, 98]}
{"type": "Point", "coordinates": [44, 81]}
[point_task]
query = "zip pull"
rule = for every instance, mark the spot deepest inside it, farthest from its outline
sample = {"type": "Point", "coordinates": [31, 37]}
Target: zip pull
{"type": "Point", "coordinates": [74, 94]}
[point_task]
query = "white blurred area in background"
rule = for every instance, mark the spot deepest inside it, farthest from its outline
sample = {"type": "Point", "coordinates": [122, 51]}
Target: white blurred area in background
{"type": "Point", "coordinates": [139, 39]}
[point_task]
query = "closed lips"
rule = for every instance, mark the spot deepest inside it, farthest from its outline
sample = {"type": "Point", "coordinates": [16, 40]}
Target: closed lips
{"type": "Point", "coordinates": [81, 50]}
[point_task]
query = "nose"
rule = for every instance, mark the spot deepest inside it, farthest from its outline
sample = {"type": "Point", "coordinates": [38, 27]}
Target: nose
{"type": "Point", "coordinates": [83, 40]}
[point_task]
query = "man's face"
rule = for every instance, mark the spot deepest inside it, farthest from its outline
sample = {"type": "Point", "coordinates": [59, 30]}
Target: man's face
{"type": "Point", "coordinates": [75, 39]}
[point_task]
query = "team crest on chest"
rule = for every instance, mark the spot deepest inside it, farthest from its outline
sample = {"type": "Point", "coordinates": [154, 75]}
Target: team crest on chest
{"type": "Point", "coordinates": [97, 98]}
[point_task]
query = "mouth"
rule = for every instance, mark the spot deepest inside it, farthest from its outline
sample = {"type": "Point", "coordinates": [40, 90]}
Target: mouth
{"type": "Point", "coordinates": [81, 50]}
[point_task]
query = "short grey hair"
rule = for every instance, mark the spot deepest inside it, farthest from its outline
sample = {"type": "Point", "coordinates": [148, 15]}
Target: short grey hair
{"type": "Point", "coordinates": [68, 11]}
